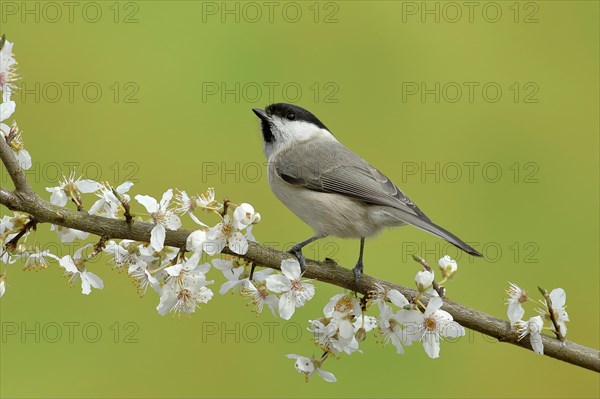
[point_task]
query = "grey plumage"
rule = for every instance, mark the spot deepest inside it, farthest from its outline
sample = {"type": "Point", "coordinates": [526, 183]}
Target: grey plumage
{"type": "Point", "coordinates": [331, 188]}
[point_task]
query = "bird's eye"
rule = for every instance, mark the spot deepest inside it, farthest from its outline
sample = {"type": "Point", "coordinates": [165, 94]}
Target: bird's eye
{"type": "Point", "coordinates": [291, 116]}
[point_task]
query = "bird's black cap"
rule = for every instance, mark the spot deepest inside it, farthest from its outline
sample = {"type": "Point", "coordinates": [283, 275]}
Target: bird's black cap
{"type": "Point", "coordinates": [294, 112]}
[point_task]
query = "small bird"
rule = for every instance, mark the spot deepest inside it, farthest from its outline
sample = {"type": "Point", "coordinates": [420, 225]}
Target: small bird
{"type": "Point", "coordinates": [329, 187]}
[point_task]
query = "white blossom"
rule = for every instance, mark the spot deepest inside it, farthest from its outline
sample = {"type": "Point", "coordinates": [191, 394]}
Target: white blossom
{"type": "Point", "coordinates": [185, 293]}
{"type": "Point", "coordinates": [143, 278]}
{"type": "Point", "coordinates": [37, 260]}
{"type": "Point", "coordinates": [558, 297]}
{"type": "Point", "coordinates": [74, 267]}
{"type": "Point", "coordinates": [71, 188]}
{"type": "Point", "coordinates": [67, 234]}
{"type": "Point", "coordinates": [108, 205]}
{"type": "Point", "coordinates": [294, 292]}
{"type": "Point", "coordinates": [516, 297]}
{"type": "Point", "coordinates": [424, 280]}
{"type": "Point", "coordinates": [533, 327]}
{"type": "Point", "coordinates": [7, 67]}
{"type": "Point", "coordinates": [336, 332]}
{"type": "Point", "coordinates": [448, 266]}
{"type": "Point", "coordinates": [189, 265]}
{"type": "Point", "coordinates": [186, 204]}
{"type": "Point", "coordinates": [162, 217]}
{"type": "Point", "coordinates": [258, 292]}
{"type": "Point", "coordinates": [244, 216]}
{"type": "Point", "coordinates": [123, 253]}
{"type": "Point", "coordinates": [196, 241]}
{"type": "Point", "coordinates": [225, 234]}
{"type": "Point", "coordinates": [428, 327]}
{"type": "Point", "coordinates": [308, 366]}
{"type": "Point", "coordinates": [16, 142]}
{"type": "Point", "coordinates": [390, 327]}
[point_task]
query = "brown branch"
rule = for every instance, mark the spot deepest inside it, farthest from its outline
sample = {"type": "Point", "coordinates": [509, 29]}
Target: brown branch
{"type": "Point", "coordinates": [25, 200]}
{"type": "Point", "coordinates": [14, 169]}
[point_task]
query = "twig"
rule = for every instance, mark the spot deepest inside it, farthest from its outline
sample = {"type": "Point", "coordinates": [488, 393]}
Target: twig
{"type": "Point", "coordinates": [556, 331]}
{"type": "Point", "coordinates": [225, 206]}
{"type": "Point", "coordinates": [125, 203]}
{"type": "Point", "coordinates": [12, 244]}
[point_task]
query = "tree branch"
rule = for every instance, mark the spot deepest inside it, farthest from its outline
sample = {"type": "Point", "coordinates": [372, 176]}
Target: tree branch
{"type": "Point", "coordinates": [25, 200]}
{"type": "Point", "coordinates": [14, 168]}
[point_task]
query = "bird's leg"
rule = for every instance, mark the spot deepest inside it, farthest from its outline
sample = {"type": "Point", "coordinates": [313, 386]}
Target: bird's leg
{"type": "Point", "coordinates": [358, 269]}
{"type": "Point", "coordinates": [297, 250]}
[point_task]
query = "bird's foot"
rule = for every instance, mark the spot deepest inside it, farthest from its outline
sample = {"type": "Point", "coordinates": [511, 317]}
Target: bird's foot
{"type": "Point", "coordinates": [297, 252]}
{"type": "Point", "coordinates": [358, 271]}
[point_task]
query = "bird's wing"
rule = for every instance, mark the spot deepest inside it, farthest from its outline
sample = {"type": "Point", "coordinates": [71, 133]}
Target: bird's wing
{"type": "Point", "coordinates": [327, 166]}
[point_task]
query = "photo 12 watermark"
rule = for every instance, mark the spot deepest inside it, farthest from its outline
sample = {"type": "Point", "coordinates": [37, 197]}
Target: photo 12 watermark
{"type": "Point", "coordinates": [69, 332]}
{"type": "Point", "coordinates": [471, 12]}
{"type": "Point", "coordinates": [72, 12]}
{"type": "Point", "coordinates": [77, 92]}
{"type": "Point", "coordinates": [269, 92]}
{"type": "Point", "coordinates": [252, 12]}
{"type": "Point", "coordinates": [489, 92]}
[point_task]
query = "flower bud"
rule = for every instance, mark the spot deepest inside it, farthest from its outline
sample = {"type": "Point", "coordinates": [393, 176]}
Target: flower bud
{"type": "Point", "coordinates": [424, 279]}
{"type": "Point", "coordinates": [448, 266]}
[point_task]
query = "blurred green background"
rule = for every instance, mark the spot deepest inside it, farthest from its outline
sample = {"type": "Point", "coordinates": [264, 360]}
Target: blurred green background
{"type": "Point", "coordinates": [161, 94]}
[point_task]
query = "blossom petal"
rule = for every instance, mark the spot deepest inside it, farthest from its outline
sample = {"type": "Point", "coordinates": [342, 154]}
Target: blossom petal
{"type": "Point", "coordinates": [291, 268]}
{"type": "Point", "coordinates": [94, 280]}
{"type": "Point", "coordinates": [287, 305]}
{"type": "Point", "coordinates": [124, 187]}
{"type": "Point", "coordinates": [222, 264]}
{"type": "Point", "coordinates": [278, 283]}
{"type": "Point", "coordinates": [515, 311]}
{"type": "Point", "coordinates": [196, 220]}
{"type": "Point", "coordinates": [558, 296]}
{"type": "Point", "coordinates": [58, 196]}
{"type": "Point", "coordinates": [173, 222]}
{"type": "Point", "coordinates": [451, 329]}
{"type": "Point", "coordinates": [433, 305]}
{"type": "Point", "coordinates": [535, 327]}
{"type": "Point", "coordinates": [168, 300]}
{"type": "Point", "coordinates": [157, 237]}
{"type": "Point", "coordinates": [85, 286]}
{"type": "Point", "coordinates": [166, 198]}
{"type": "Point", "coordinates": [326, 375]}
{"type": "Point", "coordinates": [88, 186]}
{"type": "Point", "coordinates": [397, 298]}
{"type": "Point", "coordinates": [237, 243]}
{"type": "Point", "coordinates": [195, 241]}
{"type": "Point", "coordinates": [431, 344]}
{"type": "Point", "coordinates": [6, 109]}
{"type": "Point", "coordinates": [148, 202]}
{"type": "Point", "coordinates": [24, 159]}
{"type": "Point", "coordinates": [67, 263]}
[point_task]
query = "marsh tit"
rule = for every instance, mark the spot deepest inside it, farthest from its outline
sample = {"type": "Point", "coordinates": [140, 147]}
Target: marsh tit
{"type": "Point", "coordinates": [331, 188]}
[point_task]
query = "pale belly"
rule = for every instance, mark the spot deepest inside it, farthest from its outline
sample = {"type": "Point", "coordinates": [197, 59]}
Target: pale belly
{"type": "Point", "coordinates": [327, 214]}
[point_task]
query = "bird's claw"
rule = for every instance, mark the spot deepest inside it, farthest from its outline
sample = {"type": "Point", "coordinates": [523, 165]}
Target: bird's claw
{"type": "Point", "coordinates": [358, 271]}
{"type": "Point", "coordinates": [301, 259]}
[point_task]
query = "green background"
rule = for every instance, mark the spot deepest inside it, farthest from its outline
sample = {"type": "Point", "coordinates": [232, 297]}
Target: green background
{"type": "Point", "coordinates": [536, 227]}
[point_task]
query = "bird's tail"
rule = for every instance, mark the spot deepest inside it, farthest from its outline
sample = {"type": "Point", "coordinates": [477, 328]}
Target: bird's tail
{"type": "Point", "coordinates": [432, 228]}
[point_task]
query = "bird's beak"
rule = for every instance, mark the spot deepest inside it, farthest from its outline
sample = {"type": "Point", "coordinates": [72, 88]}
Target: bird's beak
{"type": "Point", "coordinates": [261, 113]}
